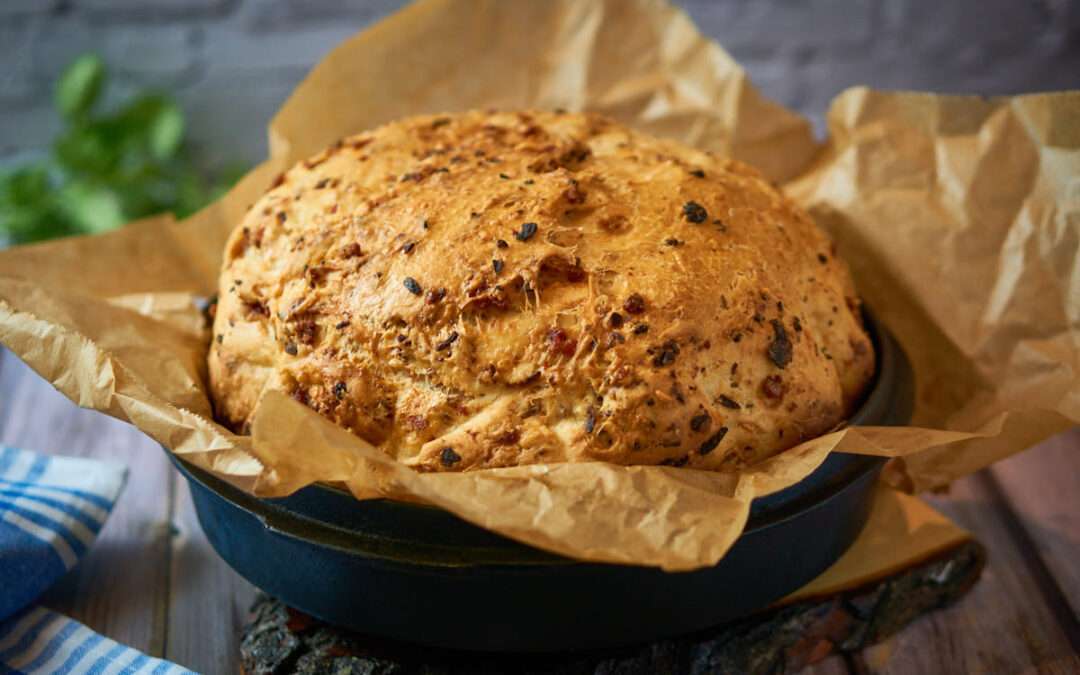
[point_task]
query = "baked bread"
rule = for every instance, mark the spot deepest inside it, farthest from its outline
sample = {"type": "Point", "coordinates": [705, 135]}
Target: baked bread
{"type": "Point", "coordinates": [494, 289]}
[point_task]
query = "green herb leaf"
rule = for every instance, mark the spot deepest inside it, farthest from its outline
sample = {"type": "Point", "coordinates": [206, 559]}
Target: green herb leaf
{"type": "Point", "coordinates": [151, 125]}
{"type": "Point", "coordinates": [78, 87]}
{"type": "Point", "coordinates": [105, 169]}
{"type": "Point", "coordinates": [91, 208]}
{"type": "Point", "coordinates": [166, 131]}
{"type": "Point", "coordinates": [88, 149]}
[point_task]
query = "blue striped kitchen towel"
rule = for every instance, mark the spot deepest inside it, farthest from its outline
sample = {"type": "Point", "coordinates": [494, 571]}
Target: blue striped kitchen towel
{"type": "Point", "coordinates": [40, 641]}
{"type": "Point", "coordinates": [51, 510]}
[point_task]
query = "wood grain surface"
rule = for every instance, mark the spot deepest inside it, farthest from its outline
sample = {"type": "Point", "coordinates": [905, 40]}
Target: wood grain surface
{"type": "Point", "coordinates": [153, 582]}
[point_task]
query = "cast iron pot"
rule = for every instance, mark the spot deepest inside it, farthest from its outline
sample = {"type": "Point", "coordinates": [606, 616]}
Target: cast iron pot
{"type": "Point", "coordinates": [422, 575]}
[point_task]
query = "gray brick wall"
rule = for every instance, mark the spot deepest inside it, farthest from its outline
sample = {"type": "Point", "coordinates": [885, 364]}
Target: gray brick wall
{"type": "Point", "coordinates": [232, 62]}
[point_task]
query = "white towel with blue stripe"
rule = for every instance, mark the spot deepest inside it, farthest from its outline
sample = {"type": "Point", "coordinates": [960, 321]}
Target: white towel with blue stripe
{"type": "Point", "coordinates": [51, 510]}
{"type": "Point", "coordinates": [41, 641]}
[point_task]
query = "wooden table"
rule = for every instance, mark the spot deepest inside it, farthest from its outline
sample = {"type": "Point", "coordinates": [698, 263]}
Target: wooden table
{"type": "Point", "coordinates": [153, 582]}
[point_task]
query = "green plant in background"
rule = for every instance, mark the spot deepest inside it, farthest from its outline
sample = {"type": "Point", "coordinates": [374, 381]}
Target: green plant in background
{"type": "Point", "coordinates": [105, 169]}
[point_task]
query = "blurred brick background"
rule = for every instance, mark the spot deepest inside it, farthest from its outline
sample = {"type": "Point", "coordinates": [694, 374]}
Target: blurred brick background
{"type": "Point", "coordinates": [231, 63]}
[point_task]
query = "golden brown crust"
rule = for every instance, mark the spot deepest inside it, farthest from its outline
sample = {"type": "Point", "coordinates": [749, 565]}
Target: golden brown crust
{"type": "Point", "coordinates": [494, 289]}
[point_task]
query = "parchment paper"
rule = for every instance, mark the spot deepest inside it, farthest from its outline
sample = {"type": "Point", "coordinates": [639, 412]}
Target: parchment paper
{"type": "Point", "coordinates": [902, 531]}
{"type": "Point", "coordinates": [959, 216]}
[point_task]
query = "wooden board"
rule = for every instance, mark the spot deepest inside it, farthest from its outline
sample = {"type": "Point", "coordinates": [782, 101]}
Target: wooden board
{"type": "Point", "coordinates": [206, 596]}
{"type": "Point", "coordinates": [152, 581]}
{"type": "Point", "coordinates": [1011, 621]}
{"type": "Point", "coordinates": [1042, 490]}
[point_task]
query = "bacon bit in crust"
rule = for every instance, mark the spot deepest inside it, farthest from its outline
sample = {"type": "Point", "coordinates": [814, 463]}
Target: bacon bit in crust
{"type": "Point", "coordinates": [635, 304]}
{"type": "Point", "coordinates": [772, 390]}
{"type": "Point", "coordinates": [561, 343]}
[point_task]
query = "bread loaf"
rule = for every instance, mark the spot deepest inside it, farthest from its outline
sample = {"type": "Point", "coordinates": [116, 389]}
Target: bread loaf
{"type": "Point", "coordinates": [494, 289]}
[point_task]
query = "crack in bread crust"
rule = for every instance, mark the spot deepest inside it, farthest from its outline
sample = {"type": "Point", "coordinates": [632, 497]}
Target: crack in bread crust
{"type": "Point", "coordinates": [493, 289]}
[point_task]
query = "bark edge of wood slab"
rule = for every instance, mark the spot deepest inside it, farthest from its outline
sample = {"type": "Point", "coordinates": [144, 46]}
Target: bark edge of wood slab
{"type": "Point", "coordinates": [283, 641]}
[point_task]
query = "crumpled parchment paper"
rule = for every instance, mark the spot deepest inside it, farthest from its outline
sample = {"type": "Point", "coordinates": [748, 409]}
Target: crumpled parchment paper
{"type": "Point", "coordinates": [959, 216]}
